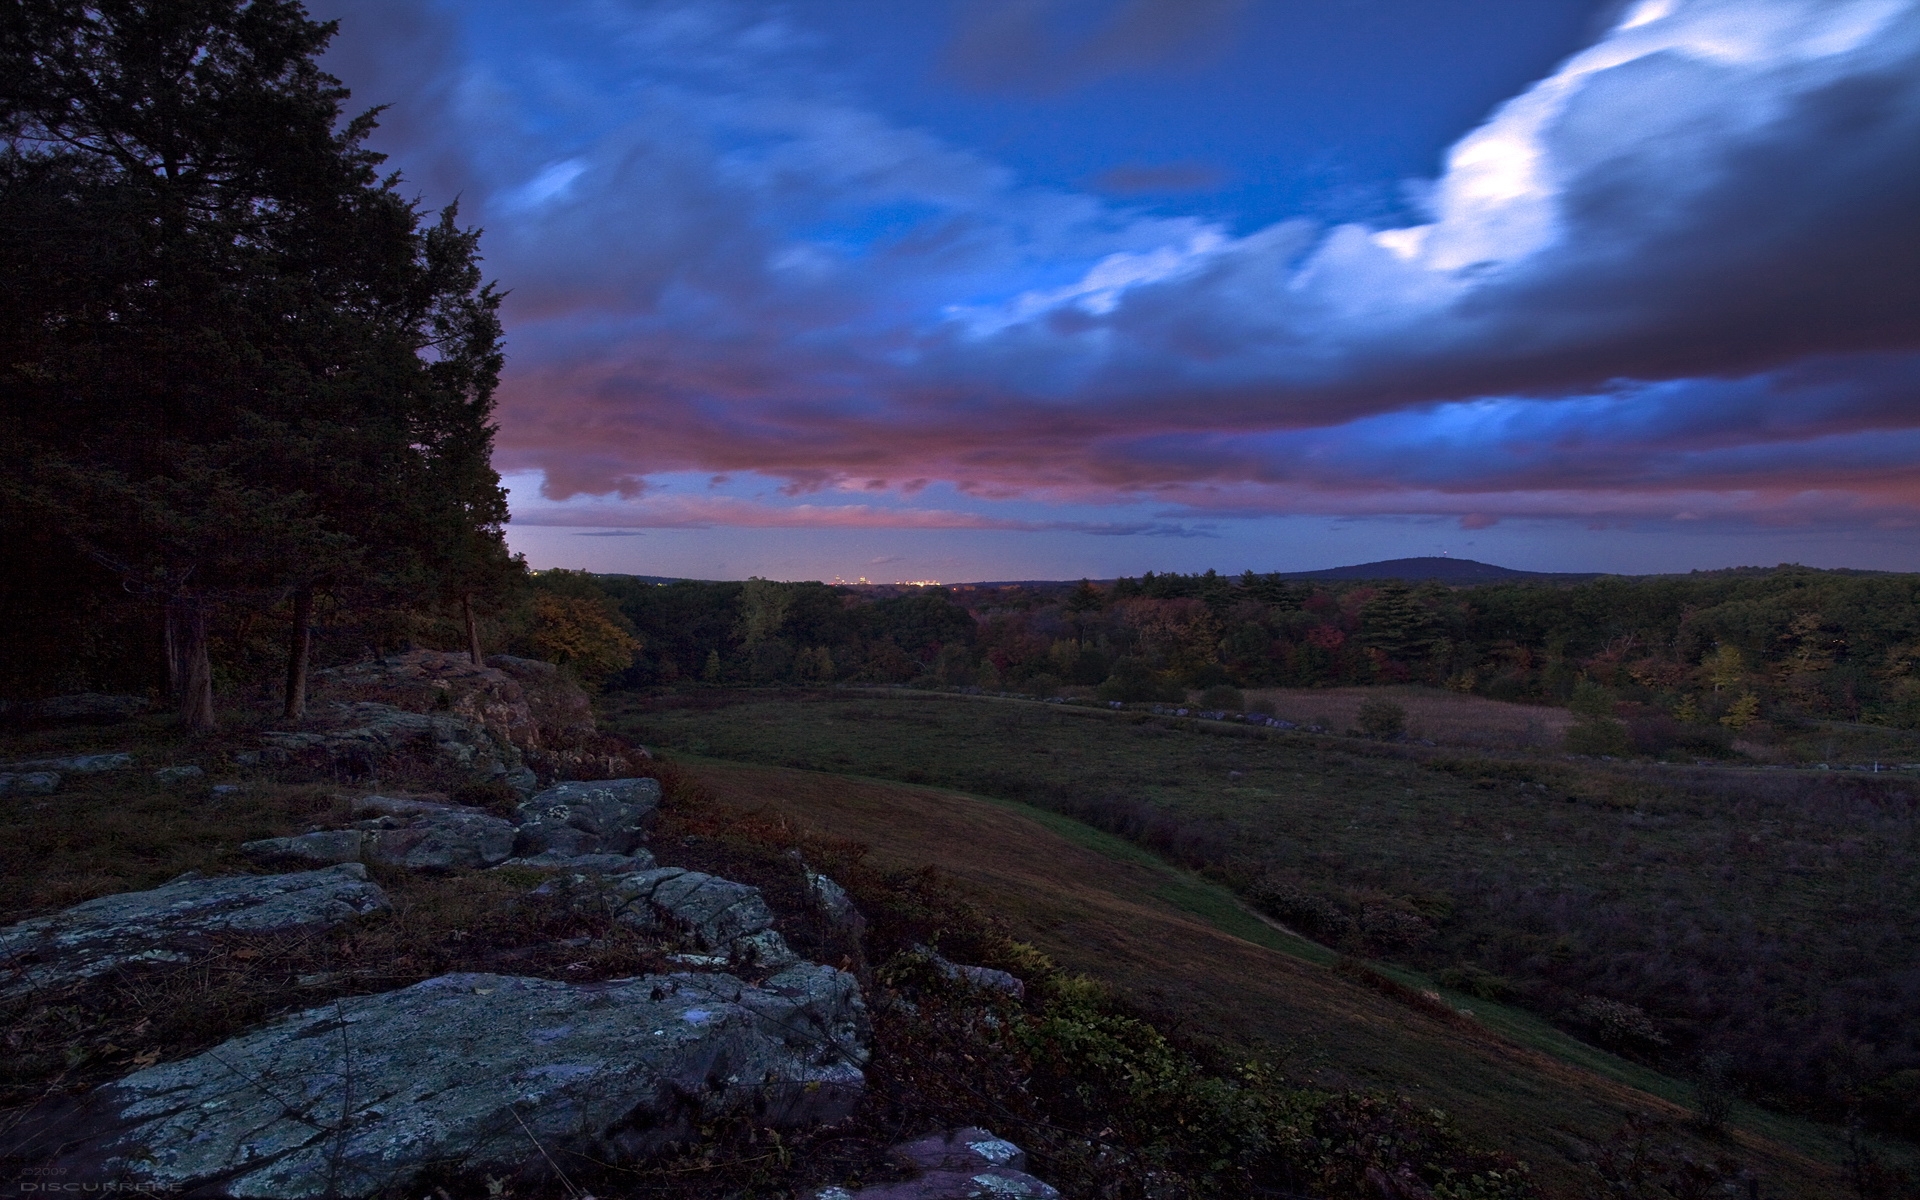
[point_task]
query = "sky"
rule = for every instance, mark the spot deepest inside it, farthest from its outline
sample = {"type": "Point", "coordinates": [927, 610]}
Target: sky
{"type": "Point", "coordinates": [1016, 289]}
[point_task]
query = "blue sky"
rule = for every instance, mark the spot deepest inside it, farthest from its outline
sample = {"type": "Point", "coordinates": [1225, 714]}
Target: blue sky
{"type": "Point", "coordinates": [988, 289]}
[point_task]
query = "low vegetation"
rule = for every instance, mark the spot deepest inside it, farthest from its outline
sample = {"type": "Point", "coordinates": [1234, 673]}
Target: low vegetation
{"type": "Point", "coordinates": [1110, 1103]}
{"type": "Point", "coordinates": [1665, 913]}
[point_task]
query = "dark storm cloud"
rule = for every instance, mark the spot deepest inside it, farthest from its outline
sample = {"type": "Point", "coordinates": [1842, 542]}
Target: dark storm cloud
{"type": "Point", "coordinates": [1687, 262]}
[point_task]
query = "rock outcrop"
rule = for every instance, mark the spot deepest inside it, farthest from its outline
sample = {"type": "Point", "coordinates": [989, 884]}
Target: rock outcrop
{"type": "Point", "coordinates": [361, 735]}
{"type": "Point", "coordinates": [609, 816]}
{"type": "Point", "coordinates": [986, 979]}
{"type": "Point", "coordinates": [484, 1073]}
{"type": "Point", "coordinates": [711, 915]}
{"type": "Point", "coordinates": [171, 922]}
{"type": "Point", "coordinates": [437, 841]}
{"type": "Point", "coordinates": [607, 820]}
{"type": "Point", "coordinates": [29, 783]}
{"type": "Point", "coordinates": [959, 1164]}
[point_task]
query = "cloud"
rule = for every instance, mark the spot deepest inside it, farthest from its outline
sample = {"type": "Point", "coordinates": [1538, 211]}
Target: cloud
{"type": "Point", "coordinates": [1133, 179]}
{"type": "Point", "coordinates": [1679, 274]}
{"type": "Point", "coordinates": [706, 512]}
{"type": "Point", "coordinates": [1043, 46]}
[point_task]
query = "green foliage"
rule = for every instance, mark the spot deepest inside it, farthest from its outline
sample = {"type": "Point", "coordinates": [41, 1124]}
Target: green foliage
{"type": "Point", "coordinates": [580, 635]}
{"type": "Point", "coordinates": [1381, 718]}
{"type": "Point", "coordinates": [1135, 681]}
{"type": "Point", "coordinates": [1225, 697]}
{"type": "Point", "coordinates": [1600, 736]}
{"type": "Point", "coordinates": [1651, 887]}
{"type": "Point", "coordinates": [234, 360]}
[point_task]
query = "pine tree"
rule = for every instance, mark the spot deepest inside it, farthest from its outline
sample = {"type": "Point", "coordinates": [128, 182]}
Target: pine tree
{"type": "Point", "coordinates": [236, 366]}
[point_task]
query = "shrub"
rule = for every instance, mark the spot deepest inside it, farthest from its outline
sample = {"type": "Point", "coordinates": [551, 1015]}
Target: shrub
{"type": "Point", "coordinates": [1713, 1091]}
{"type": "Point", "coordinates": [1475, 981]}
{"type": "Point", "coordinates": [1599, 736]}
{"type": "Point", "coordinates": [1618, 1025]}
{"type": "Point", "coordinates": [1223, 696]}
{"type": "Point", "coordinates": [1381, 718]}
{"type": "Point", "coordinates": [1134, 681]}
{"type": "Point", "coordinates": [1893, 1104]}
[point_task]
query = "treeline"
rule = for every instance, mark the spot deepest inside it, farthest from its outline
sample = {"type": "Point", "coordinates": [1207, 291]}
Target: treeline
{"type": "Point", "coordinates": [244, 379]}
{"type": "Point", "coordinates": [1720, 649]}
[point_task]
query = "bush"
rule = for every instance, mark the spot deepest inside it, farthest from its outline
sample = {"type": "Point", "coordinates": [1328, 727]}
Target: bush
{"type": "Point", "coordinates": [1475, 981]}
{"type": "Point", "coordinates": [1618, 1025]}
{"type": "Point", "coordinates": [1223, 696]}
{"type": "Point", "coordinates": [1381, 718]}
{"type": "Point", "coordinates": [1599, 736]}
{"type": "Point", "coordinates": [1713, 1091]}
{"type": "Point", "coordinates": [1134, 682]}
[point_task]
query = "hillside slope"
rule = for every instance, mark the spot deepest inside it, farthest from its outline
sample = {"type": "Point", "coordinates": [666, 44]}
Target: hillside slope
{"type": "Point", "coordinates": [1103, 907]}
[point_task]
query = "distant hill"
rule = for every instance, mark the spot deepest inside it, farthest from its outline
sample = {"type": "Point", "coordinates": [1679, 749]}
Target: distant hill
{"type": "Point", "coordinates": [1457, 571]}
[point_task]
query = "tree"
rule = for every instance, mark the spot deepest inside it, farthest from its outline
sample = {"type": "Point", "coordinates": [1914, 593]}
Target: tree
{"type": "Point", "coordinates": [233, 364]}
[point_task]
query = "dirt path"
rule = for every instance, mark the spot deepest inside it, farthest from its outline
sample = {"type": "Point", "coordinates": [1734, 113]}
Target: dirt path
{"type": "Point", "coordinates": [1102, 911]}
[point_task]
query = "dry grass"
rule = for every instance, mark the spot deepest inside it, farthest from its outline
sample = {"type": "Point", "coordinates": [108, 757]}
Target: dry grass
{"type": "Point", "coordinates": [1448, 718]}
{"type": "Point", "coordinates": [1102, 911]}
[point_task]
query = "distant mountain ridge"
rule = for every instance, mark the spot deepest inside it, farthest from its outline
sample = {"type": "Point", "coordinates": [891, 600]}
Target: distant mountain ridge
{"type": "Point", "coordinates": [1439, 570]}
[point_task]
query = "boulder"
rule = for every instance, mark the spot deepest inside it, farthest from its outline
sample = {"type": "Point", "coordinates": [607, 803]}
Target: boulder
{"type": "Point", "coordinates": [984, 978]}
{"type": "Point", "coordinates": [427, 681]}
{"type": "Point", "coordinates": [76, 764]}
{"type": "Point", "coordinates": [180, 774]}
{"type": "Point", "coordinates": [835, 905]}
{"type": "Point", "coordinates": [362, 734]}
{"type": "Point", "coordinates": [959, 1164]}
{"type": "Point", "coordinates": [560, 709]}
{"type": "Point", "coordinates": [402, 806]}
{"type": "Point", "coordinates": [171, 922]}
{"type": "Point", "coordinates": [319, 846]}
{"type": "Point", "coordinates": [443, 840]}
{"type": "Point", "coordinates": [609, 816]}
{"type": "Point", "coordinates": [29, 783]}
{"type": "Point", "coordinates": [482, 1073]}
{"type": "Point", "coordinates": [711, 914]}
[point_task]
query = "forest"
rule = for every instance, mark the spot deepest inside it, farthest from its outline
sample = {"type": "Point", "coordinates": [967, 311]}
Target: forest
{"type": "Point", "coordinates": [1675, 661]}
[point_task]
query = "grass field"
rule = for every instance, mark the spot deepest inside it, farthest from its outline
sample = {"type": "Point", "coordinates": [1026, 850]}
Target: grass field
{"type": "Point", "coordinates": [1184, 947]}
{"type": "Point", "coordinates": [1750, 912]}
{"type": "Point", "coordinates": [1448, 718]}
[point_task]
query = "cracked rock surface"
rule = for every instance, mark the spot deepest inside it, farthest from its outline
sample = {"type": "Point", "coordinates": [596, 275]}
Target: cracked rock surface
{"type": "Point", "coordinates": [710, 913]}
{"type": "Point", "coordinates": [168, 923]}
{"type": "Point", "coordinates": [473, 1071]}
{"type": "Point", "coordinates": [607, 816]}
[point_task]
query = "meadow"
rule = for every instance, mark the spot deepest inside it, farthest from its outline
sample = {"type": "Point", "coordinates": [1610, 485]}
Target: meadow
{"type": "Point", "coordinates": [1750, 922]}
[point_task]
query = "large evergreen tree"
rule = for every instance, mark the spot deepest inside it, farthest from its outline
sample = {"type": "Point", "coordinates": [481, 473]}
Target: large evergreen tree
{"type": "Point", "coordinates": [235, 362]}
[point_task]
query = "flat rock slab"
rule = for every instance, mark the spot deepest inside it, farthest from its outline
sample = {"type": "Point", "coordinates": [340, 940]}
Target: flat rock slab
{"type": "Point", "coordinates": [168, 923]}
{"type": "Point", "coordinates": [608, 816]}
{"type": "Point", "coordinates": [960, 1164]}
{"type": "Point", "coordinates": [482, 1073]}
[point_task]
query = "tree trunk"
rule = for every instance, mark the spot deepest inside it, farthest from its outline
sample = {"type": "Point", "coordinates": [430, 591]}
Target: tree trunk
{"type": "Point", "coordinates": [473, 631]}
{"type": "Point", "coordinates": [298, 651]}
{"type": "Point", "coordinates": [189, 672]}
